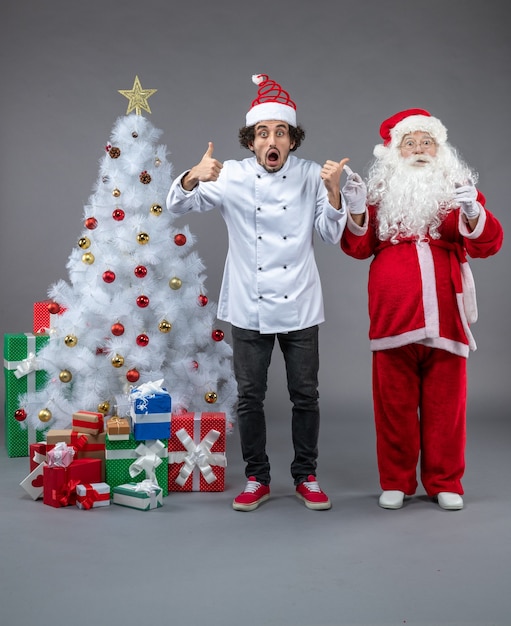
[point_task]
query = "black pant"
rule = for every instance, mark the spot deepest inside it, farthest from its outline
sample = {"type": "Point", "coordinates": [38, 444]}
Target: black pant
{"type": "Point", "coordinates": [252, 355]}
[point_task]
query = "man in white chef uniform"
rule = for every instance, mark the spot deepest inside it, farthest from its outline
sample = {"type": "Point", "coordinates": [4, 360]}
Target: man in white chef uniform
{"type": "Point", "coordinates": [271, 203]}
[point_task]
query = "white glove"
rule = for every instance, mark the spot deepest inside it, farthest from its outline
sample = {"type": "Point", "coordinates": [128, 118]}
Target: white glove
{"type": "Point", "coordinates": [466, 196]}
{"type": "Point", "coordinates": [355, 192]}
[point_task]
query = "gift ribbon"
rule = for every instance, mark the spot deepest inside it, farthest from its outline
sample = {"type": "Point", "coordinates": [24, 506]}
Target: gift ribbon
{"type": "Point", "coordinates": [197, 455]}
{"type": "Point", "coordinates": [67, 494]}
{"type": "Point", "coordinates": [91, 496]}
{"type": "Point", "coordinates": [79, 424]}
{"type": "Point", "coordinates": [149, 457]}
{"type": "Point", "coordinates": [145, 391]}
{"type": "Point", "coordinates": [151, 488]}
{"type": "Point", "coordinates": [116, 421]}
{"type": "Point", "coordinates": [27, 366]}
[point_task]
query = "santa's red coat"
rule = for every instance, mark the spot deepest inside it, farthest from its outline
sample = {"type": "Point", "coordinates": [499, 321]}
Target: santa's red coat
{"type": "Point", "coordinates": [423, 292]}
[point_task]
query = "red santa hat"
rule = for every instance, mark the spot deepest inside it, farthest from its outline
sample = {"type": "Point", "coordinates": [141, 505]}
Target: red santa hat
{"type": "Point", "coordinates": [272, 103]}
{"type": "Point", "coordinates": [393, 129]}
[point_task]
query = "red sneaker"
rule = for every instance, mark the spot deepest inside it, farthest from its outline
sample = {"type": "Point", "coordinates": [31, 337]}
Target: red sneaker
{"type": "Point", "coordinates": [252, 496]}
{"type": "Point", "coordinates": [310, 492]}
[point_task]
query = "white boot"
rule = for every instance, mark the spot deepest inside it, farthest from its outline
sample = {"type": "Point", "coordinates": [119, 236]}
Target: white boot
{"type": "Point", "coordinates": [391, 499]}
{"type": "Point", "coordinates": [450, 501]}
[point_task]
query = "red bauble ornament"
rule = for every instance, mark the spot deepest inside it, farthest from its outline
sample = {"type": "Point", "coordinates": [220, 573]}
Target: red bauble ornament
{"type": "Point", "coordinates": [142, 340]}
{"type": "Point", "coordinates": [195, 365]}
{"type": "Point", "coordinates": [118, 215]}
{"type": "Point", "coordinates": [142, 301]}
{"type": "Point", "coordinates": [109, 276]}
{"type": "Point", "coordinates": [217, 335]}
{"type": "Point", "coordinates": [53, 307]}
{"type": "Point", "coordinates": [202, 299]}
{"type": "Point", "coordinates": [132, 375]}
{"type": "Point", "coordinates": [20, 415]}
{"type": "Point", "coordinates": [140, 271]}
{"type": "Point", "coordinates": [117, 329]}
{"type": "Point", "coordinates": [91, 223]}
{"type": "Point", "coordinates": [180, 239]}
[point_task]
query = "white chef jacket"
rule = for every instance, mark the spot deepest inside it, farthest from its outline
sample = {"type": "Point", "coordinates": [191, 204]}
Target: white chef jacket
{"type": "Point", "coordinates": [271, 281]}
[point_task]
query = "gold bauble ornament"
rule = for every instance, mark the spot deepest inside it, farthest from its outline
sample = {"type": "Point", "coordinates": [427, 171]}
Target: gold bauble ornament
{"type": "Point", "coordinates": [175, 283]}
{"type": "Point", "coordinates": [143, 238]}
{"type": "Point", "coordinates": [44, 415]}
{"type": "Point", "coordinates": [116, 193]}
{"type": "Point", "coordinates": [88, 258]}
{"type": "Point", "coordinates": [117, 360]}
{"type": "Point", "coordinates": [104, 407]}
{"type": "Point", "coordinates": [84, 243]}
{"type": "Point", "coordinates": [65, 376]}
{"type": "Point", "coordinates": [156, 209]}
{"type": "Point", "coordinates": [70, 340]}
{"type": "Point", "coordinates": [164, 326]}
{"type": "Point", "coordinates": [210, 397]}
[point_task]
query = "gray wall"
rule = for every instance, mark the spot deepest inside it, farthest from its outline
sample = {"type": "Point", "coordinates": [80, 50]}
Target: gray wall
{"type": "Point", "coordinates": [347, 64]}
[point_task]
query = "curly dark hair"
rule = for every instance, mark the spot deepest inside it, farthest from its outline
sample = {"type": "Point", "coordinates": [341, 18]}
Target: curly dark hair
{"type": "Point", "coordinates": [246, 136]}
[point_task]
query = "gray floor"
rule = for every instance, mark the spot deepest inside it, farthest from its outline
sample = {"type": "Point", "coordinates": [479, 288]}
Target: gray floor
{"type": "Point", "coordinates": [196, 561]}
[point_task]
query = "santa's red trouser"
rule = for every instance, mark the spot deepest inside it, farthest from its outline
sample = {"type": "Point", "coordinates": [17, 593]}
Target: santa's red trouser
{"type": "Point", "coordinates": [419, 396]}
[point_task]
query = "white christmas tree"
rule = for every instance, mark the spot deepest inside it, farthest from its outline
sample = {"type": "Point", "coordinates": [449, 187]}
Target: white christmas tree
{"type": "Point", "coordinates": [137, 309]}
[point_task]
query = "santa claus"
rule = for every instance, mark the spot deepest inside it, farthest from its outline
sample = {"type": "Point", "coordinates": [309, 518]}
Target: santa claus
{"type": "Point", "coordinates": [419, 215]}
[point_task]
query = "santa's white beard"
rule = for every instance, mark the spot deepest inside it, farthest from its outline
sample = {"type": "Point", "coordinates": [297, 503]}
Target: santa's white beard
{"type": "Point", "coordinates": [414, 199]}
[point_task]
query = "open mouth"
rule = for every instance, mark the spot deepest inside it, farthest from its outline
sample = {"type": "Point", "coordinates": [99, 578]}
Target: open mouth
{"type": "Point", "coordinates": [272, 156]}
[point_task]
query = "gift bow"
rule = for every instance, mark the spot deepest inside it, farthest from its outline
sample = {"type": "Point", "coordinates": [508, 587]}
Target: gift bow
{"type": "Point", "coordinates": [27, 366]}
{"type": "Point", "coordinates": [147, 389]}
{"type": "Point", "coordinates": [199, 455]}
{"type": "Point", "coordinates": [61, 455]}
{"type": "Point", "coordinates": [151, 488]}
{"type": "Point", "coordinates": [91, 496]}
{"type": "Point", "coordinates": [149, 457]}
{"type": "Point", "coordinates": [67, 494]}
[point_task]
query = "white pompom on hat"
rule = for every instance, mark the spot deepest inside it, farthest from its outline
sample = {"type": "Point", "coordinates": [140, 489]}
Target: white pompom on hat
{"type": "Point", "coordinates": [393, 129]}
{"type": "Point", "coordinates": [272, 103]}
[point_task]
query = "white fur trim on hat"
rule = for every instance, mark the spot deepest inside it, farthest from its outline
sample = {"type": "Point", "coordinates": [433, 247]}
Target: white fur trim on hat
{"type": "Point", "coordinates": [413, 123]}
{"type": "Point", "coordinates": [271, 111]}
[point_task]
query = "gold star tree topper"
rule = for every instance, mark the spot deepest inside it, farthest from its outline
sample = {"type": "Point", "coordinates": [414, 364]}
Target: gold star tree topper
{"type": "Point", "coordinates": [137, 97]}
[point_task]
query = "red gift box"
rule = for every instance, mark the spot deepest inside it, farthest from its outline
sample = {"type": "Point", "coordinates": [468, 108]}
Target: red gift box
{"type": "Point", "coordinates": [60, 482]}
{"type": "Point", "coordinates": [43, 319]}
{"type": "Point", "coordinates": [197, 452]}
{"type": "Point", "coordinates": [88, 422]}
{"type": "Point", "coordinates": [37, 454]}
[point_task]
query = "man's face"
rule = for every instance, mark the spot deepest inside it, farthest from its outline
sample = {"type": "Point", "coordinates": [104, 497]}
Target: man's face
{"type": "Point", "coordinates": [272, 144]}
{"type": "Point", "coordinates": [418, 148]}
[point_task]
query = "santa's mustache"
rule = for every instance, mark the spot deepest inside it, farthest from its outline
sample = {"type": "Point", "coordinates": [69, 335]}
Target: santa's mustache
{"type": "Point", "coordinates": [418, 158]}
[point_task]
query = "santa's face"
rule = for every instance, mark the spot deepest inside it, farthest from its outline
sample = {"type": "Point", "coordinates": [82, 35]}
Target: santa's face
{"type": "Point", "coordinates": [272, 144]}
{"type": "Point", "coordinates": [418, 148]}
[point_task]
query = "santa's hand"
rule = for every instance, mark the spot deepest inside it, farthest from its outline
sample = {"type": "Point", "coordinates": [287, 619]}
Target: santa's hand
{"type": "Point", "coordinates": [466, 196]}
{"type": "Point", "coordinates": [355, 192]}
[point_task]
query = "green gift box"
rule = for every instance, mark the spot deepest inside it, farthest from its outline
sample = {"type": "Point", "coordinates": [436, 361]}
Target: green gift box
{"type": "Point", "coordinates": [143, 496]}
{"type": "Point", "coordinates": [131, 461]}
{"type": "Point", "coordinates": [21, 376]}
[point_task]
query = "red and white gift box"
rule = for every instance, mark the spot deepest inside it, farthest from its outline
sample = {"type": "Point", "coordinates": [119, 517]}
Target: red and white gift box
{"type": "Point", "coordinates": [33, 483]}
{"type": "Point", "coordinates": [197, 458]}
{"type": "Point", "coordinates": [92, 495]}
{"type": "Point", "coordinates": [43, 318]}
{"type": "Point", "coordinates": [59, 488]}
{"type": "Point", "coordinates": [87, 422]}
